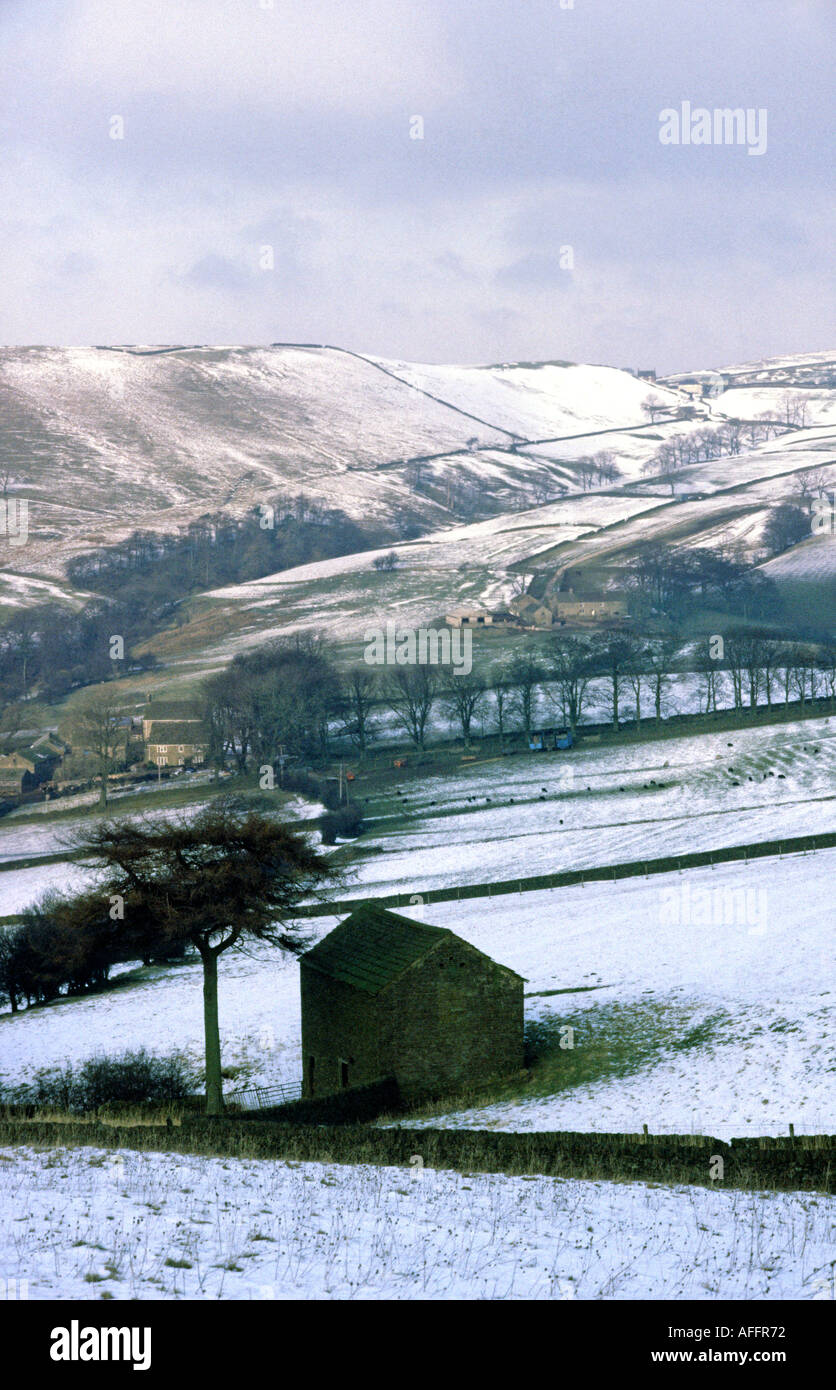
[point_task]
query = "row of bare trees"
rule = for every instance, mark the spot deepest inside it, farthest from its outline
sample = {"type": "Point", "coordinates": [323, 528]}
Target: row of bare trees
{"type": "Point", "coordinates": [707, 443]}
{"type": "Point", "coordinates": [755, 669]}
{"type": "Point", "coordinates": [290, 700]}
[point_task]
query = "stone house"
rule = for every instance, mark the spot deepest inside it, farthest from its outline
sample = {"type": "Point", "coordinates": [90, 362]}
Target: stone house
{"type": "Point", "coordinates": [174, 732]}
{"type": "Point", "coordinates": [568, 605]}
{"type": "Point", "coordinates": [172, 744]}
{"type": "Point", "coordinates": [17, 774]}
{"type": "Point", "coordinates": [384, 996]}
{"type": "Point", "coordinates": [531, 611]}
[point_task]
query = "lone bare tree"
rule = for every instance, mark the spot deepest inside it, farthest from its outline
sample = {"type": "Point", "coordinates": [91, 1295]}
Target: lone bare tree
{"type": "Point", "coordinates": [653, 406]}
{"type": "Point", "coordinates": [228, 876]}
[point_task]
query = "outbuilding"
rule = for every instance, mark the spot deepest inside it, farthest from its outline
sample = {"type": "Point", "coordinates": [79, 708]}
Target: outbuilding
{"type": "Point", "coordinates": [384, 996]}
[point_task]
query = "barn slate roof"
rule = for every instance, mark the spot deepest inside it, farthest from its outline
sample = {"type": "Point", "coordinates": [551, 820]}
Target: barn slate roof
{"type": "Point", "coordinates": [372, 947]}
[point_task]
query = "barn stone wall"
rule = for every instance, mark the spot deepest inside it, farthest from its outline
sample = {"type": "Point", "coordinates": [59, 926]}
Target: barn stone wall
{"type": "Point", "coordinates": [339, 1023]}
{"type": "Point", "coordinates": [454, 1019]}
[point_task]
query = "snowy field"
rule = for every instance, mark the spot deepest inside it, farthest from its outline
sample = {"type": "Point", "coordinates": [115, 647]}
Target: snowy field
{"type": "Point", "coordinates": [814, 560]}
{"type": "Point", "coordinates": [524, 815]}
{"type": "Point", "coordinates": [86, 1223]}
{"type": "Point", "coordinates": [743, 954]}
{"type": "Point", "coordinates": [520, 816]}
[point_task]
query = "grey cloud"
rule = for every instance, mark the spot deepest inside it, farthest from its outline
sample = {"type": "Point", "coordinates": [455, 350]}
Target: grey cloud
{"type": "Point", "coordinates": [541, 129]}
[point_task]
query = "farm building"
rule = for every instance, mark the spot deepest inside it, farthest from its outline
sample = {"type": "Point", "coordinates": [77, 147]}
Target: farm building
{"type": "Point", "coordinates": [384, 996]}
{"type": "Point", "coordinates": [588, 607]}
{"type": "Point", "coordinates": [169, 744]}
{"type": "Point", "coordinates": [17, 773]}
{"type": "Point", "coordinates": [531, 612]}
{"type": "Point", "coordinates": [468, 617]}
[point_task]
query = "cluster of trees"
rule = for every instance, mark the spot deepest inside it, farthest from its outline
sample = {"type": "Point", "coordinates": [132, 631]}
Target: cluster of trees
{"type": "Point", "coordinates": [594, 470]}
{"type": "Point", "coordinates": [785, 527]}
{"type": "Point", "coordinates": [144, 578]}
{"type": "Point", "coordinates": [291, 700]}
{"type": "Point", "coordinates": [52, 650]}
{"type": "Point", "coordinates": [677, 582]}
{"type": "Point", "coordinates": [459, 493]}
{"type": "Point", "coordinates": [274, 702]}
{"type": "Point", "coordinates": [218, 549]}
{"type": "Point", "coordinates": [60, 945]}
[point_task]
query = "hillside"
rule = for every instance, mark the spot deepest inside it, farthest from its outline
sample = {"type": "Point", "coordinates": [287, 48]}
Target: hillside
{"type": "Point", "coordinates": [101, 441]}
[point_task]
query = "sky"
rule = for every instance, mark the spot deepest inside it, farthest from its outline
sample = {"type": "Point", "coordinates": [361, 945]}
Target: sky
{"type": "Point", "coordinates": [432, 180]}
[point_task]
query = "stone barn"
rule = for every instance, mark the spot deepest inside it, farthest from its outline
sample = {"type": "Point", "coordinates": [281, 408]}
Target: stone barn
{"type": "Point", "coordinates": [384, 996]}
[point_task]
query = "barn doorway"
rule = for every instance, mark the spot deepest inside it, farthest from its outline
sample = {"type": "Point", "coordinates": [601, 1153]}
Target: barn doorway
{"type": "Point", "coordinates": [311, 1074]}
{"type": "Point", "coordinates": [344, 1074]}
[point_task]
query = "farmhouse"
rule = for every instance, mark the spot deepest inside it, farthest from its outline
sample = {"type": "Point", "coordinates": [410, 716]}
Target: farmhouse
{"type": "Point", "coordinates": [588, 607]}
{"type": "Point", "coordinates": [384, 996]}
{"type": "Point", "coordinates": [17, 773]}
{"type": "Point", "coordinates": [172, 744]}
{"type": "Point", "coordinates": [174, 732]}
{"type": "Point", "coordinates": [531, 612]}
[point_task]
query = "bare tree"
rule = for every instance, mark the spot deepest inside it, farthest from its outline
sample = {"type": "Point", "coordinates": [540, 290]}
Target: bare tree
{"type": "Point", "coordinates": [827, 667]}
{"type": "Point", "coordinates": [710, 671]}
{"type": "Point", "coordinates": [463, 699]}
{"type": "Point", "coordinates": [569, 668]}
{"type": "Point", "coordinates": [356, 702]}
{"type": "Point", "coordinates": [653, 406]}
{"type": "Point", "coordinates": [524, 675]}
{"type": "Point", "coordinates": [96, 728]}
{"type": "Point", "coordinates": [796, 409]}
{"type": "Point", "coordinates": [660, 656]}
{"type": "Point", "coordinates": [614, 656]}
{"type": "Point", "coordinates": [411, 698]}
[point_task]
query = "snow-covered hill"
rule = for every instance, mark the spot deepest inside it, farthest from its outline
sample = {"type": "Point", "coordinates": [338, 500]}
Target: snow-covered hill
{"type": "Point", "coordinates": [102, 440]}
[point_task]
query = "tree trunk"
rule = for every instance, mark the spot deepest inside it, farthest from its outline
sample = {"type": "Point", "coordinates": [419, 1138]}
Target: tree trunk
{"type": "Point", "coordinates": [103, 788]}
{"type": "Point", "coordinates": [212, 1036]}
